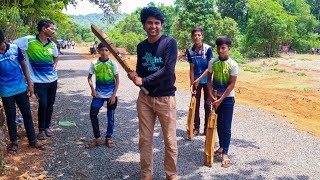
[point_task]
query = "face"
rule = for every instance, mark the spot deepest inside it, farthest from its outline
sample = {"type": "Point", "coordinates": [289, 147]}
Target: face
{"type": "Point", "coordinates": [49, 31]}
{"type": "Point", "coordinates": [104, 53]}
{"type": "Point", "coordinates": [2, 47]}
{"type": "Point", "coordinates": [152, 26]}
{"type": "Point", "coordinates": [197, 37]}
{"type": "Point", "coordinates": [223, 50]}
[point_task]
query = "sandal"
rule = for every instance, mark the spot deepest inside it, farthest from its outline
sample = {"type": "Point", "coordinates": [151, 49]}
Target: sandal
{"type": "Point", "coordinates": [13, 148]}
{"type": "Point", "coordinates": [94, 143]}
{"type": "Point", "coordinates": [38, 145]}
{"type": "Point", "coordinates": [226, 163]}
{"type": "Point", "coordinates": [109, 143]}
{"type": "Point", "coordinates": [217, 153]}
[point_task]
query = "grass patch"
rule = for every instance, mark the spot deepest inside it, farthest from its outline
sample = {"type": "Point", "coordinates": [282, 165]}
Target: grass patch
{"type": "Point", "coordinates": [252, 68]}
{"type": "Point", "coordinates": [278, 70]}
{"type": "Point", "coordinates": [183, 66]}
{"type": "Point", "coordinates": [292, 86]}
{"type": "Point", "coordinates": [301, 74]}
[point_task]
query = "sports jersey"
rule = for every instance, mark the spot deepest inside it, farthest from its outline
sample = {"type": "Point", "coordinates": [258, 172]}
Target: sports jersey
{"type": "Point", "coordinates": [39, 58]}
{"type": "Point", "coordinates": [11, 77]}
{"type": "Point", "coordinates": [200, 60]}
{"type": "Point", "coordinates": [222, 72]}
{"type": "Point", "coordinates": [105, 76]}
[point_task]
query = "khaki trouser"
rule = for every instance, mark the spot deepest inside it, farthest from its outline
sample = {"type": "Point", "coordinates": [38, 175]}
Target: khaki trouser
{"type": "Point", "coordinates": [148, 109]}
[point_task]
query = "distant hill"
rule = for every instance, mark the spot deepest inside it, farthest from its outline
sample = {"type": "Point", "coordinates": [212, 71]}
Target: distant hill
{"type": "Point", "coordinates": [97, 19]}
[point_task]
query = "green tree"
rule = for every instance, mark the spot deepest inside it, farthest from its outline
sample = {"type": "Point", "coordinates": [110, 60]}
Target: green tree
{"type": "Point", "coordinates": [202, 13]}
{"type": "Point", "coordinates": [235, 9]}
{"type": "Point", "coordinates": [305, 23]}
{"type": "Point", "coordinates": [268, 26]}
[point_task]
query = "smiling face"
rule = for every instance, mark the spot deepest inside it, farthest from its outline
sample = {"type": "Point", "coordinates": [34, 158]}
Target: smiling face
{"type": "Point", "coordinates": [153, 27]}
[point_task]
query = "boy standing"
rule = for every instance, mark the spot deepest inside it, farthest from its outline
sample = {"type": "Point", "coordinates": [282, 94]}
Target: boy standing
{"type": "Point", "coordinates": [199, 54]}
{"type": "Point", "coordinates": [107, 83]}
{"type": "Point", "coordinates": [224, 71]}
{"type": "Point", "coordinates": [13, 89]}
{"type": "Point", "coordinates": [42, 60]}
{"type": "Point", "coordinates": [157, 56]}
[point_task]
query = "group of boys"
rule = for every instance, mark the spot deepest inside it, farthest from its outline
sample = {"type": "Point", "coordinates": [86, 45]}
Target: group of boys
{"type": "Point", "coordinates": [155, 71]}
{"type": "Point", "coordinates": [22, 76]}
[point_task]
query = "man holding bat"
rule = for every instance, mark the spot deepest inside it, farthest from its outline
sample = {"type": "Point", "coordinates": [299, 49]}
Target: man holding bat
{"type": "Point", "coordinates": [155, 71]}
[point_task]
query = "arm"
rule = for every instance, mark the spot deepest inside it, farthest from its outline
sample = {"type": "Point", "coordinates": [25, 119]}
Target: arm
{"type": "Point", "coordinates": [27, 76]}
{"type": "Point", "coordinates": [231, 86]}
{"type": "Point", "coordinates": [55, 63]}
{"type": "Point", "coordinates": [112, 100]}
{"type": "Point", "coordinates": [209, 86]}
{"type": "Point", "coordinates": [204, 74]}
{"type": "Point", "coordinates": [191, 74]}
{"type": "Point", "coordinates": [93, 91]}
{"type": "Point", "coordinates": [55, 57]}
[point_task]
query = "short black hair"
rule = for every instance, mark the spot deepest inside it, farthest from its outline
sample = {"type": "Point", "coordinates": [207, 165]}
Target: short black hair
{"type": "Point", "coordinates": [197, 29]}
{"type": "Point", "coordinates": [44, 23]}
{"type": "Point", "coordinates": [224, 40]}
{"type": "Point", "coordinates": [1, 37]}
{"type": "Point", "coordinates": [101, 45]}
{"type": "Point", "coordinates": [153, 12]}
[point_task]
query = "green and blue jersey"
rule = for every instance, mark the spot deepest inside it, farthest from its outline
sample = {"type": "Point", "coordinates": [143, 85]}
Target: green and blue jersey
{"type": "Point", "coordinates": [11, 77]}
{"type": "Point", "coordinates": [39, 58]}
{"type": "Point", "coordinates": [221, 74]}
{"type": "Point", "coordinates": [105, 72]}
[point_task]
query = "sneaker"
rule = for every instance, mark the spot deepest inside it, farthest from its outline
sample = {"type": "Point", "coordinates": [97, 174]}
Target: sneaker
{"type": "Point", "coordinates": [48, 132]}
{"type": "Point", "coordinates": [41, 135]}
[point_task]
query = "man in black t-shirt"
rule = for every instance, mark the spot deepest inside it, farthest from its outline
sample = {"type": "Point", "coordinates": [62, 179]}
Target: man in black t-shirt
{"type": "Point", "coordinates": [155, 71]}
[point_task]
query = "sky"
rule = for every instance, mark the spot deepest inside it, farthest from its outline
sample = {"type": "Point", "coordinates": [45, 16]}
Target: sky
{"type": "Point", "coordinates": [127, 6]}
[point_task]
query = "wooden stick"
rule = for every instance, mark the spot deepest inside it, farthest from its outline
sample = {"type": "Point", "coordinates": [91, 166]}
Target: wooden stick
{"type": "Point", "coordinates": [190, 121]}
{"type": "Point", "coordinates": [210, 136]}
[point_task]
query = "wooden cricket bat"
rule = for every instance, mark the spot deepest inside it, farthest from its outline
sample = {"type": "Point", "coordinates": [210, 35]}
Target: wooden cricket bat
{"type": "Point", "coordinates": [210, 136]}
{"type": "Point", "coordinates": [190, 121]}
{"type": "Point", "coordinates": [114, 51]}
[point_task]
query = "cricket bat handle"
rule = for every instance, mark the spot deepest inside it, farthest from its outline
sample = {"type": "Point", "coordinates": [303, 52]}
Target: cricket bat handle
{"type": "Point", "coordinates": [144, 90]}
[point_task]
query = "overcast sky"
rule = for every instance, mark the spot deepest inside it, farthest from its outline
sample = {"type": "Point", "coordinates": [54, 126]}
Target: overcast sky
{"type": "Point", "coordinates": [127, 6]}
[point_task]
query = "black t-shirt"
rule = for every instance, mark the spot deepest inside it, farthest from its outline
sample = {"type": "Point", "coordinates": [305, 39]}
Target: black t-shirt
{"type": "Point", "coordinates": [156, 65]}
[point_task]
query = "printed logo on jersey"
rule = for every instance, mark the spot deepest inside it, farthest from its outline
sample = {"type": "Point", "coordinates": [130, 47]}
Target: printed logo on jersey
{"type": "Point", "coordinates": [225, 71]}
{"type": "Point", "coordinates": [153, 63]}
{"type": "Point", "coordinates": [12, 57]}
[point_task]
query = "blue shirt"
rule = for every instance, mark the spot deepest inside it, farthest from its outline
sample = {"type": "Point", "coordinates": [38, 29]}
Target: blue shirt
{"type": "Point", "coordinates": [200, 60]}
{"type": "Point", "coordinates": [11, 77]}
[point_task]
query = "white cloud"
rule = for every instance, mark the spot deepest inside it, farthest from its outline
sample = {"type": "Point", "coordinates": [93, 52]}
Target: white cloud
{"type": "Point", "coordinates": [127, 6]}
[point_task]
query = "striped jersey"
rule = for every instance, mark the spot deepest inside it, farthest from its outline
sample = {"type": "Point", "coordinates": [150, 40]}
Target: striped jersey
{"type": "Point", "coordinates": [221, 74]}
{"type": "Point", "coordinates": [105, 72]}
{"type": "Point", "coordinates": [39, 58]}
{"type": "Point", "coordinates": [11, 77]}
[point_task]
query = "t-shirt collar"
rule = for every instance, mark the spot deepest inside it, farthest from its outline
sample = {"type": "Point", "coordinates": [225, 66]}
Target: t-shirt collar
{"type": "Point", "coordinates": [104, 60]}
{"type": "Point", "coordinates": [224, 59]}
{"type": "Point", "coordinates": [49, 41]}
{"type": "Point", "coordinates": [194, 48]}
